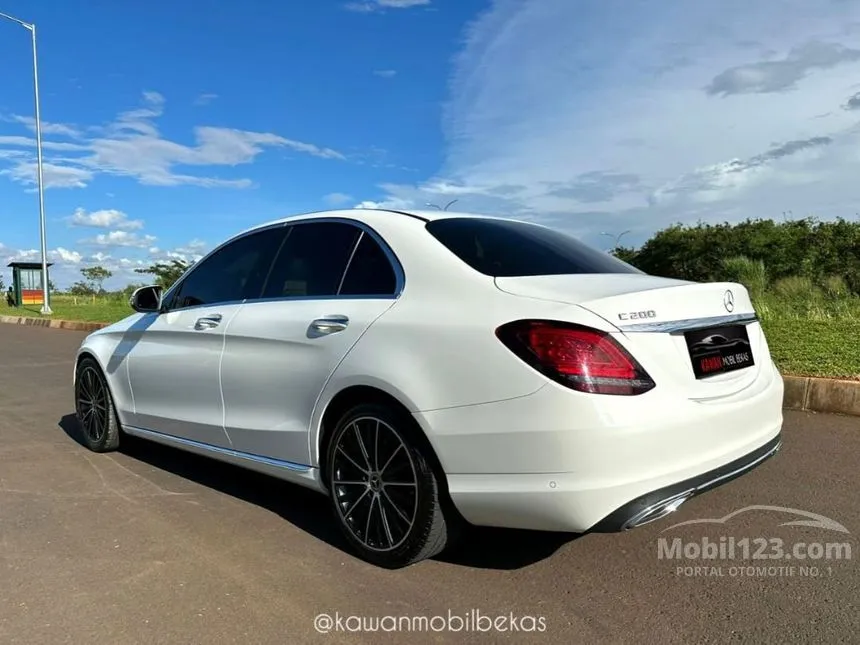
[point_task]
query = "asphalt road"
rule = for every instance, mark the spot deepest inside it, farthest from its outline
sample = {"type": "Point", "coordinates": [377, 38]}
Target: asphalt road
{"type": "Point", "coordinates": [150, 545]}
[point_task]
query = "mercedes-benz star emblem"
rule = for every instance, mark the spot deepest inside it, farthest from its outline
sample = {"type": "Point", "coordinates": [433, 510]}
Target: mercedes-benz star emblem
{"type": "Point", "coordinates": [729, 301]}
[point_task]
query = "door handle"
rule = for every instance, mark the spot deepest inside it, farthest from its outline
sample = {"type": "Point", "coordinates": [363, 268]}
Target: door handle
{"type": "Point", "coordinates": [330, 324]}
{"type": "Point", "coordinates": [207, 322]}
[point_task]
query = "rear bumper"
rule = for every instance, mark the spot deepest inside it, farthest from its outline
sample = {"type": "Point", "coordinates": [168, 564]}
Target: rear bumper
{"type": "Point", "coordinates": [560, 462]}
{"type": "Point", "coordinates": [659, 503]}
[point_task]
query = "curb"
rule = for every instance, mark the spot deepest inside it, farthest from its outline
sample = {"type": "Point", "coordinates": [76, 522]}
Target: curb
{"type": "Point", "coordinates": [71, 325]}
{"type": "Point", "coordinates": [806, 393]}
{"type": "Point", "coordinates": [827, 395]}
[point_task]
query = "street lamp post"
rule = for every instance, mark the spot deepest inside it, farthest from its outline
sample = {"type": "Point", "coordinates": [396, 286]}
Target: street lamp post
{"type": "Point", "coordinates": [617, 238]}
{"type": "Point", "coordinates": [46, 308]}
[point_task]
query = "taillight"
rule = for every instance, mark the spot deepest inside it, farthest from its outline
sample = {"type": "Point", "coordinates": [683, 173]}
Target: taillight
{"type": "Point", "coordinates": [581, 358]}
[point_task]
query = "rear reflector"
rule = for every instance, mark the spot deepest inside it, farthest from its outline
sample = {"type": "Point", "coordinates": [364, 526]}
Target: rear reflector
{"type": "Point", "coordinates": [581, 358]}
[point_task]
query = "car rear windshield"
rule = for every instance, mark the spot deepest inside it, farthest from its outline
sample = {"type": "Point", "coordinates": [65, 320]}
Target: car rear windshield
{"type": "Point", "coordinates": [504, 248]}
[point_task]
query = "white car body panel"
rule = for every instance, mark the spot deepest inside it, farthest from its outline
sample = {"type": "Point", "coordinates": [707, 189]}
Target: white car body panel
{"type": "Point", "coordinates": [174, 371]}
{"type": "Point", "coordinates": [517, 449]}
{"type": "Point", "coordinates": [268, 408]}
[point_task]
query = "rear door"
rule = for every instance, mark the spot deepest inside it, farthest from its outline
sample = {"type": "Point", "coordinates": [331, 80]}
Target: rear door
{"type": "Point", "coordinates": [329, 283]}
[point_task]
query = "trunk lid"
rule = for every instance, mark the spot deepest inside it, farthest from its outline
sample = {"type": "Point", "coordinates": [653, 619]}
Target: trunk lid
{"type": "Point", "coordinates": [652, 315]}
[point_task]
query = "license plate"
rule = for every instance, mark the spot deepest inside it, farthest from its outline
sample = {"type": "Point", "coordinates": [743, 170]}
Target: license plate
{"type": "Point", "coordinates": [718, 350]}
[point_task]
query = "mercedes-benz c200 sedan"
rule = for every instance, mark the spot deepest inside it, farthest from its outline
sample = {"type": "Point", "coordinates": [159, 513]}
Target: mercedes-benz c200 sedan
{"type": "Point", "coordinates": [430, 370]}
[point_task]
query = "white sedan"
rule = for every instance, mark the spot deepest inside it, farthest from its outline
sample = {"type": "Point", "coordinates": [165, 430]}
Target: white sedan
{"type": "Point", "coordinates": [422, 369]}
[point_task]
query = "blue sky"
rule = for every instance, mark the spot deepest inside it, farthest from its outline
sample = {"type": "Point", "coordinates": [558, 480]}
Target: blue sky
{"type": "Point", "coordinates": [169, 126]}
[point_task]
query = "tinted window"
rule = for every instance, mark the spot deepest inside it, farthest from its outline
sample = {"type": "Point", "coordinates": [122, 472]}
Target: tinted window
{"type": "Point", "coordinates": [312, 260]}
{"type": "Point", "coordinates": [370, 272]}
{"type": "Point", "coordinates": [503, 248]}
{"type": "Point", "coordinates": [235, 272]}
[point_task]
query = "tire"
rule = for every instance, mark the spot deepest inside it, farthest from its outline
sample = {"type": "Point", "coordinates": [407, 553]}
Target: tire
{"type": "Point", "coordinates": [402, 528]}
{"type": "Point", "coordinates": [94, 408]}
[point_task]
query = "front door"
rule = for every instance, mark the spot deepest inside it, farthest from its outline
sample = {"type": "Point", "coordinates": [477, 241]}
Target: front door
{"type": "Point", "coordinates": [173, 368]}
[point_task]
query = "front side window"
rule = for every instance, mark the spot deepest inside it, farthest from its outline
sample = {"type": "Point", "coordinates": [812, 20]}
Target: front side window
{"type": "Point", "coordinates": [312, 260]}
{"type": "Point", "coordinates": [233, 273]}
{"type": "Point", "coordinates": [505, 248]}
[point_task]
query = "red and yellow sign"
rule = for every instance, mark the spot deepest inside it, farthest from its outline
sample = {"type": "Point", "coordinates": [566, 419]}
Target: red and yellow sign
{"type": "Point", "coordinates": [31, 297]}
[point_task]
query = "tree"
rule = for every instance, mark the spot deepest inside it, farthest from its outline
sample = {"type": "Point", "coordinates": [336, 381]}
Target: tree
{"type": "Point", "coordinates": [81, 288]}
{"type": "Point", "coordinates": [805, 248]}
{"type": "Point", "coordinates": [2, 284]}
{"type": "Point", "coordinates": [167, 273]}
{"type": "Point", "coordinates": [95, 277]}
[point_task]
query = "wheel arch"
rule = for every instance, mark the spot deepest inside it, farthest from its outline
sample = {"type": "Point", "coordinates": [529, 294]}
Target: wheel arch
{"type": "Point", "coordinates": [357, 394]}
{"type": "Point", "coordinates": [120, 396]}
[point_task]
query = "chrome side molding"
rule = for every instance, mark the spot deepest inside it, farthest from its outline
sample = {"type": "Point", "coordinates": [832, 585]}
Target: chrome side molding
{"type": "Point", "coordinates": [235, 454]}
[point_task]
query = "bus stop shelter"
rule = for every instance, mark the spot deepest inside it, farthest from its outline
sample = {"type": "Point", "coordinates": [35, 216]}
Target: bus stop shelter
{"type": "Point", "coordinates": [27, 283]}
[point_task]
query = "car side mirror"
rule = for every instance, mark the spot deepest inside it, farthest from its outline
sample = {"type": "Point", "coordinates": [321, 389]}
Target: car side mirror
{"type": "Point", "coordinates": [146, 300]}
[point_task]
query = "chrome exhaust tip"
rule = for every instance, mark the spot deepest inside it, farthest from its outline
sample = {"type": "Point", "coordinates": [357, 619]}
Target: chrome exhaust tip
{"type": "Point", "coordinates": [657, 511]}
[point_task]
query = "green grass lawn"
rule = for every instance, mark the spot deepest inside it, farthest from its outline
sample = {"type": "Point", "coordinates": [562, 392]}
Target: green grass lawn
{"type": "Point", "coordinates": [806, 338]}
{"type": "Point", "coordinates": [815, 347]}
{"type": "Point", "coordinates": [84, 308]}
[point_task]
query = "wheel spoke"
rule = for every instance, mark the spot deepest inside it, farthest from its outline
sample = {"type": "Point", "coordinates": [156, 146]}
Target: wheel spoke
{"type": "Point", "coordinates": [355, 504]}
{"type": "Point", "coordinates": [351, 460]}
{"type": "Point", "coordinates": [396, 450]}
{"type": "Point", "coordinates": [84, 387]}
{"type": "Point", "coordinates": [393, 505]}
{"type": "Point", "coordinates": [376, 446]}
{"type": "Point", "coordinates": [361, 446]}
{"type": "Point", "coordinates": [344, 482]}
{"type": "Point", "coordinates": [369, 519]}
{"type": "Point", "coordinates": [90, 384]}
{"type": "Point", "coordinates": [386, 527]}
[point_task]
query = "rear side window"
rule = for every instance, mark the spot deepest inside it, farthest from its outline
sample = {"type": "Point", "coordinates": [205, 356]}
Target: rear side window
{"type": "Point", "coordinates": [312, 260]}
{"type": "Point", "coordinates": [370, 272]}
{"type": "Point", "coordinates": [503, 248]}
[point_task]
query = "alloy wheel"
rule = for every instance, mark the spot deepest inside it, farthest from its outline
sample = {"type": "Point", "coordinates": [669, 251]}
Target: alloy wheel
{"type": "Point", "coordinates": [92, 405]}
{"type": "Point", "coordinates": [374, 483]}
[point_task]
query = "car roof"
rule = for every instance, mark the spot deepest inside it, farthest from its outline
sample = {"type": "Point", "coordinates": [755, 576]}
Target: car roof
{"type": "Point", "coordinates": [356, 213]}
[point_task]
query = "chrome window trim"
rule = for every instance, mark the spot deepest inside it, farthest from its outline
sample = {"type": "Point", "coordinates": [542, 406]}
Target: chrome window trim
{"type": "Point", "coordinates": [349, 262]}
{"type": "Point", "coordinates": [397, 267]}
{"type": "Point", "coordinates": [689, 324]}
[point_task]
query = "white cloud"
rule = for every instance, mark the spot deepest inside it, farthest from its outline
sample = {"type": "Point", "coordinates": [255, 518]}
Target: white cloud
{"type": "Point", "coordinates": [58, 129]}
{"type": "Point", "coordinates": [604, 113]}
{"type": "Point", "coordinates": [133, 146]}
{"type": "Point", "coordinates": [27, 142]}
{"type": "Point", "coordinates": [385, 73]}
{"type": "Point", "coordinates": [53, 175]}
{"type": "Point", "coordinates": [59, 255]}
{"type": "Point", "coordinates": [67, 256]}
{"type": "Point", "coordinates": [107, 218]}
{"type": "Point", "coordinates": [190, 252]}
{"type": "Point", "coordinates": [337, 199]}
{"type": "Point", "coordinates": [370, 6]}
{"type": "Point", "coordinates": [205, 98]}
{"type": "Point", "coordinates": [121, 238]}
